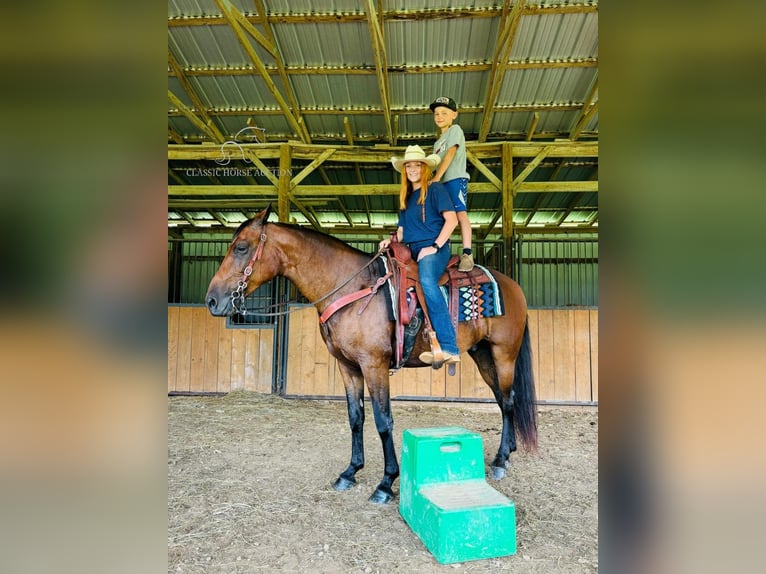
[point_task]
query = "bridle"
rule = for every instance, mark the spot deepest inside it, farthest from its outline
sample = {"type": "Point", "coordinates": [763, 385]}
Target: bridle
{"type": "Point", "coordinates": [238, 295]}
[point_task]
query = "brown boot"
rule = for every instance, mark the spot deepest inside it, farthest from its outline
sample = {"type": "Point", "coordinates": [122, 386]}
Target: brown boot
{"type": "Point", "coordinates": [466, 262]}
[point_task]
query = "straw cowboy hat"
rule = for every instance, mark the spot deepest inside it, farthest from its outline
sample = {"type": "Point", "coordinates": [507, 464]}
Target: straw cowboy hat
{"type": "Point", "coordinates": [415, 153]}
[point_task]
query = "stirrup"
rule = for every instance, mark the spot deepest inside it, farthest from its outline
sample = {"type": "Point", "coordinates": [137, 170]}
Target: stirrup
{"type": "Point", "coordinates": [436, 355]}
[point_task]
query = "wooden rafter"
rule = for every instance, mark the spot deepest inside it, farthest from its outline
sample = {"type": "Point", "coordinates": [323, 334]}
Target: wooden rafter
{"type": "Point", "coordinates": [532, 126]}
{"type": "Point", "coordinates": [508, 25]}
{"type": "Point", "coordinates": [586, 113]}
{"type": "Point", "coordinates": [280, 67]}
{"type": "Point", "coordinates": [310, 167]}
{"type": "Point", "coordinates": [341, 110]}
{"type": "Point", "coordinates": [214, 135]}
{"type": "Point", "coordinates": [193, 96]}
{"type": "Point", "coordinates": [175, 136]}
{"type": "Point", "coordinates": [382, 154]}
{"type": "Point", "coordinates": [392, 69]}
{"type": "Point", "coordinates": [583, 122]}
{"type": "Point", "coordinates": [295, 122]}
{"type": "Point", "coordinates": [405, 14]}
{"type": "Point", "coordinates": [570, 207]}
{"type": "Point", "coordinates": [175, 177]}
{"type": "Point", "coordinates": [530, 167]}
{"type": "Point", "coordinates": [392, 189]}
{"type": "Point", "coordinates": [359, 178]}
{"type": "Point", "coordinates": [484, 170]}
{"type": "Point", "coordinates": [375, 27]}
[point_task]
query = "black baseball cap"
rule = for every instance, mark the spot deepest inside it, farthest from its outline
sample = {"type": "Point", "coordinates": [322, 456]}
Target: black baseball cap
{"type": "Point", "coordinates": [444, 101]}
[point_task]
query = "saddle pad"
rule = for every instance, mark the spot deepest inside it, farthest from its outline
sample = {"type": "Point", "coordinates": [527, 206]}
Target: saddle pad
{"type": "Point", "coordinates": [389, 291]}
{"type": "Point", "coordinates": [475, 301]}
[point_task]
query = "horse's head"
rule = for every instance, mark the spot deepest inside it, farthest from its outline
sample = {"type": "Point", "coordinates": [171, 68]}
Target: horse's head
{"type": "Point", "coordinates": [248, 264]}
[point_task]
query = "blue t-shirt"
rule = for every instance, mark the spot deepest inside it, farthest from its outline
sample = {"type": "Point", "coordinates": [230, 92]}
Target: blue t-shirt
{"type": "Point", "coordinates": [411, 221]}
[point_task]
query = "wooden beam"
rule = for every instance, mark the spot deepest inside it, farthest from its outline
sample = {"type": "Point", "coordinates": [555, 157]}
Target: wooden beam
{"type": "Point", "coordinates": [557, 186]}
{"type": "Point", "coordinates": [508, 26]}
{"type": "Point", "coordinates": [280, 66]}
{"type": "Point", "coordinates": [484, 169]}
{"type": "Point", "coordinates": [175, 136]}
{"type": "Point", "coordinates": [284, 197]}
{"type": "Point", "coordinates": [519, 179]}
{"type": "Point", "coordinates": [388, 189]}
{"type": "Point", "coordinates": [382, 154]}
{"type": "Point", "coordinates": [409, 111]}
{"type": "Point", "coordinates": [376, 232]}
{"type": "Point", "coordinates": [403, 14]}
{"type": "Point", "coordinates": [266, 44]}
{"type": "Point", "coordinates": [192, 117]}
{"type": "Point", "coordinates": [175, 177]}
{"type": "Point", "coordinates": [350, 139]}
{"type": "Point", "coordinates": [570, 207]}
{"type": "Point", "coordinates": [586, 112]}
{"type": "Point", "coordinates": [228, 11]}
{"type": "Point", "coordinates": [534, 209]}
{"type": "Point", "coordinates": [262, 167]}
{"type": "Point", "coordinates": [381, 66]}
{"type": "Point", "coordinates": [310, 167]}
{"type": "Point", "coordinates": [419, 69]}
{"type": "Point", "coordinates": [583, 122]}
{"type": "Point", "coordinates": [532, 126]}
{"type": "Point", "coordinates": [196, 101]}
{"type": "Point", "coordinates": [283, 192]}
{"type": "Point", "coordinates": [507, 196]}
{"type": "Point", "coordinates": [359, 178]}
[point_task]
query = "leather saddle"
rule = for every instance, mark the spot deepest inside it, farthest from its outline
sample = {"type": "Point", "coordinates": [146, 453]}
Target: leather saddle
{"type": "Point", "coordinates": [409, 293]}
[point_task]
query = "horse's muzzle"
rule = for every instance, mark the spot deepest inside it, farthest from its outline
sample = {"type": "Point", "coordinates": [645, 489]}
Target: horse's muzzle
{"type": "Point", "coordinates": [218, 306]}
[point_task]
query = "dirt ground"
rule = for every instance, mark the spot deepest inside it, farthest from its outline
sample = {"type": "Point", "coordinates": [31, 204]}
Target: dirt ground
{"type": "Point", "coordinates": [249, 489]}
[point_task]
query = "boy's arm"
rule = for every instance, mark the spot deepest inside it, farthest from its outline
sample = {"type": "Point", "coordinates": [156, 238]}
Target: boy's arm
{"type": "Point", "coordinates": [445, 163]}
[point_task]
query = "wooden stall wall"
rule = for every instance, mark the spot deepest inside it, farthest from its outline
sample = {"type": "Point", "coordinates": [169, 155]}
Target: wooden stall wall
{"type": "Point", "coordinates": [564, 347]}
{"type": "Point", "coordinates": [205, 356]}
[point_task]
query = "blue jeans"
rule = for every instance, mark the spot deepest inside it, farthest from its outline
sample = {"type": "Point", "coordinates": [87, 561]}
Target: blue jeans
{"type": "Point", "coordinates": [430, 268]}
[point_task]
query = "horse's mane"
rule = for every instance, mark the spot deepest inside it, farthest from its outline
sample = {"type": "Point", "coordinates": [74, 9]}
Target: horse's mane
{"type": "Point", "coordinates": [310, 232]}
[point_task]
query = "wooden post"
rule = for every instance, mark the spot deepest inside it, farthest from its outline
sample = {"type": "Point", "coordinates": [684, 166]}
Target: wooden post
{"type": "Point", "coordinates": [283, 190]}
{"type": "Point", "coordinates": [507, 195]}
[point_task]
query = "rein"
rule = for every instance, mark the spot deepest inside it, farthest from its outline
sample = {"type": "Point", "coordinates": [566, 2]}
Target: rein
{"type": "Point", "coordinates": [238, 298]}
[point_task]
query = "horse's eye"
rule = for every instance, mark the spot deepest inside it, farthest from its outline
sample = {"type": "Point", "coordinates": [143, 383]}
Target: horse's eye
{"type": "Point", "coordinates": [241, 248]}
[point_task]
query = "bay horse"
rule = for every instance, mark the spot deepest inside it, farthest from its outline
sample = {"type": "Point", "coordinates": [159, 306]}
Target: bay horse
{"type": "Point", "coordinates": [324, 269]}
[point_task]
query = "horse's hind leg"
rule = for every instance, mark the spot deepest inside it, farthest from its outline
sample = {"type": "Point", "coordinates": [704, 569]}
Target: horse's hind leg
{"type": "Point", "coordinates": [354, 383]}
{"type": "Point", "coordinates": [499, 377]}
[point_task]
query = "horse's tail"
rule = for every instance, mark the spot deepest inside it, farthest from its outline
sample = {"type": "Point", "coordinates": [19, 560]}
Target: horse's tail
{"type": "Point", "coordinates": [524, 399]}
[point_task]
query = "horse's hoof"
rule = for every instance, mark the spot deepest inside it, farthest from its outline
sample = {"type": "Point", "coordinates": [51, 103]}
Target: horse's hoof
{"type": "Point", "coordinates": [343, 484]}
{"type": "Point", "coordinates": [496, 472]}
{"type": "Point", "coordinates": [381, 497]}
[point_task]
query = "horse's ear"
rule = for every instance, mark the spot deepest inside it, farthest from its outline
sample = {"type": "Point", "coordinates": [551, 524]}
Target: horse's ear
{"type": "Point", "coordinates": [263, 216]}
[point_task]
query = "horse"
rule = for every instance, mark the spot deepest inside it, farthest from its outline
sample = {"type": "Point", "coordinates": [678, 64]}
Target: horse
{"type": "Point", "coordinates": [324, 268]}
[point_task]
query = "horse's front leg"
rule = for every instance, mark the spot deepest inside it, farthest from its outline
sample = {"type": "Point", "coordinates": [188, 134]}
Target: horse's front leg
{"type": "Point", "coordinates": [354, 383]}
{"type": "Point", "coordinates": [377, 383]}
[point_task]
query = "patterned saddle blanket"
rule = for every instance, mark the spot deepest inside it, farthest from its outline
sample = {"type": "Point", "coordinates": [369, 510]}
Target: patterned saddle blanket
{"type": "Point", "coordinates": [472, 301]}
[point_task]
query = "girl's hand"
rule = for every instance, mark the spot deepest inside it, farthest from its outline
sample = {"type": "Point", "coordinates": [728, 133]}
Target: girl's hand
{"type": "Point", "coordinates": [384, 244]}
{"type": "Point", "coordinates": [430, 251]}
